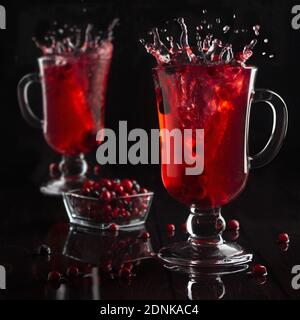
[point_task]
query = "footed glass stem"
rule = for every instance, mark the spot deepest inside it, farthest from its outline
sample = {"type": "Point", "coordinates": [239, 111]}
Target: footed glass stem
{"type": "Point", "coordinates": [205, 248]}
{"type": "Point", "coordinates": [73, 170]}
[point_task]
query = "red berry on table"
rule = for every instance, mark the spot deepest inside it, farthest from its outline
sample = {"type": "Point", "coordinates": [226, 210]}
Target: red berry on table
{"type": "Point", "coordinates": [54, 276]}
{"type": "Point", "coordinates": [233, 225]}
{"type": "Point", "coordinates": [127, 185]}
{"type": "Point", "coordinates": [145, 235]}
{"type": "Point", "coordinates": [283, 238]}
{"type": "Point", "coordinates": [125, 273]}
{"type": "Point", "coordinates": [97, 170]}
{"type": "Point", "coordinates": [259, 270]}
{"type": "Point", "coordinates": [113, 227]}
{"type": "Point", "coordinates": [54, 170]}
{"type": "Point", "coordinates": [72, 272]}
{"type": "Point", "coordinates": [170, 227]}
{"type": "Point", "coordinates": [105, 196]}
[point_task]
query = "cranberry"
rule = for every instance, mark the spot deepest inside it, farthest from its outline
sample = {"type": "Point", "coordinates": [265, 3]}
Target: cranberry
{"type": "Point", "coordinates": [145, 235]}
{"type": "Point", "coordinates": [117, 181]}
{"type": "Point", "coordinates": [113, 194]}
{"type": "Point", "coordinates": [233, 225]}
{"type": "Point", "coordinates": [232, 235]}
{"type": "Point", "coordinates": [43, 250]}
{"type": "Point", "coordinates": [125, 273]}
{"type": "Point", "coordinates": [87, 187]}
{"type": "Point", "coordinates": [54, 170]}
{"type": "Point", "coordinates": [283, 238]}
{"type": "Point", "coordinates": [105, 196]}
{"type": "Point", "coordinates": [72, 272]}
{"type": "Point", "coordinates": [113, 227]}
{"type": "Point", "coordinates": [107, 209]}
{"type": "Point", "coordinates": [170, 227]}
{"type": "Point", "coordinates": [119, 189]}
{"type": "Point", "coordinates": [54, 276]}
{"type": "Point", "coordinates": [143, 190]}
{"type": "Point", "coordinates": [115, 213]}
{"type": "Point", "coordinates": [97, 170]}
{"type": "Point", "coordinates": [125, 213]}
{"type": "Point", "coordinates": [259, 270]}
{"type": "Point", "coordinates": [127, 185]}
{"type": "Point", "coordinates": [106, 183]}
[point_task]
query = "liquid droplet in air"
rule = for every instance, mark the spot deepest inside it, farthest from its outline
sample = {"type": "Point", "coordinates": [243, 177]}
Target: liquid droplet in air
{"type": "Point", "coordinates": [256, 29]}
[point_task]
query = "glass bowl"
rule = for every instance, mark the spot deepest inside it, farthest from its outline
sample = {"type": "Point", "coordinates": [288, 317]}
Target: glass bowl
{"type": "Point", "coordinates": [124, 212]}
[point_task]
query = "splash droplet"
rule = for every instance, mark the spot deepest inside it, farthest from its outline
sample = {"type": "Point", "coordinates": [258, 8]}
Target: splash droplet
{"type": "Point", "coordinates": [271, 56]}
{"type": "Point", "coordinates": [204, 11]}
{"type": "Point", "coordinates": [256, 29]}
{"type": "Point", "coordinates": [218, 20]}
{"type": "Point", "coordinates": [266, 40]}
{"type": "Point", "coordinates": [263, 53]}
{"type": "Point", "coordinates": [226, 29]}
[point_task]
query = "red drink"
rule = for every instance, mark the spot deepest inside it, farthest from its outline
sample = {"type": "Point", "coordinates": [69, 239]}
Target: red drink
{"type": "Point", "coordinates": [74, 97]}
{"type": "Point", "coordinates": [216, 99]}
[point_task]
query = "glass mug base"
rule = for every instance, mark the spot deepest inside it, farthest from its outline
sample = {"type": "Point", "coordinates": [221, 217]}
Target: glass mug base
{"type": "Point", "coordinates": [73, 170]}
{"type": "Point", "coordinates": [219, 259]}
{"type": "Point", "coordinates": [205, 251]}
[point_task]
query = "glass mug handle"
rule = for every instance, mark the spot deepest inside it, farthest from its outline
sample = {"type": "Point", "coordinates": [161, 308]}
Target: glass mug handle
{"type": "Point", "coordinates": [279, 129]}
{"type": "Point", "coordinates": [23, 88]}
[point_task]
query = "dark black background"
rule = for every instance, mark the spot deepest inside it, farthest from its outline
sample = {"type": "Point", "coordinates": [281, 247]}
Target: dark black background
{"type": "Point", "coordinates": [270, 203]}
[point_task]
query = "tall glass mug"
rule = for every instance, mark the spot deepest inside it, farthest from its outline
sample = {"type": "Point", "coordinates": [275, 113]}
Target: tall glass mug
{"type": "Point", "coordinates": [74, 90]}
{"type": "Point", "coordinates": [216, 99]}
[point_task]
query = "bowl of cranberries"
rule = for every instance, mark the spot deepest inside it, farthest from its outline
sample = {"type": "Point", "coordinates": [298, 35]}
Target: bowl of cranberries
{"type": "Point", "coordinates": [108, 203]}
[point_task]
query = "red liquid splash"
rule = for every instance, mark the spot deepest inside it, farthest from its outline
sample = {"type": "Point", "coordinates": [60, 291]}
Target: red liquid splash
{"type": "Point", "coordinates": [74, 73]}
{"type": "Point", "coordinates": [213, 98]}
{"type": "Point", "coordinates": [74, 93]}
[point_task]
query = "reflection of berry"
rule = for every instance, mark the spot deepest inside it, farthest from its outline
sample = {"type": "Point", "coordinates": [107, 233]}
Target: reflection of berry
{"type": "Point", "coordinates": [72, 272]}
{"type": "Point", "coordinates": [283, 238]}
{"type": "Point", "coordinates": [113, 227]}
{"type": "Point", "coordinates": [233, 225]}
{"type": "Point", "coordinates": [183, 227]}
{"type": "Point", "coordinates": [259, 270]}
{"type": "Point", "coordinates": [54, 276]}
{"type": "Point", "coordinates": [127, 265]}
{"type": "Point", "coordinates": [54, 171]}
{"type": "Point", "coordinates": [124, 273]}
